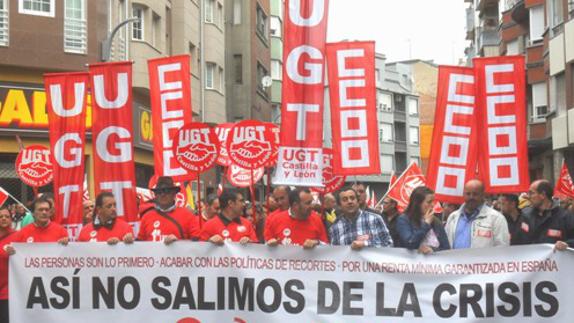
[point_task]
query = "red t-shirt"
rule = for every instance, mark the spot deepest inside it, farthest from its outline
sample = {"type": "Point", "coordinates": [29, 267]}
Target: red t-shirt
{"type": "Point", "coordinates": [4, 265]}
{"type": "Point", "coordinates": [155, 227]}
{"type": "Point", "coordinates": [232, 230]}
{"type": "Point", "coordinates": [33, 233]}
{"type": "Point", "coordinates": [118, 230]}
{"type": "Point", "coordinates": [290, 231]}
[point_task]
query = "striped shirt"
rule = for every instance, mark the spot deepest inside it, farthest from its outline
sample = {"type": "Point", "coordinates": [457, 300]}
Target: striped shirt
{"type": "Point", "coordinates": [366, 226]}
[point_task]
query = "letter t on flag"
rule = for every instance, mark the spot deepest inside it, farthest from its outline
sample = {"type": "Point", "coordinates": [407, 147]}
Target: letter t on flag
{"type": "Point", "coordinates": [353, 108]}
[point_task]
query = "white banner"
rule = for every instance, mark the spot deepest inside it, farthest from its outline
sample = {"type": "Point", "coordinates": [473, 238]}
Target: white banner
{"type": "Point", "coordinates": [199, 282]}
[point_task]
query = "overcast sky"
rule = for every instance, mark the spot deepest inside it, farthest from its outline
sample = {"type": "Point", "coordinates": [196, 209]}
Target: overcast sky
{"type": "Point", "coordinates": [403, 29]}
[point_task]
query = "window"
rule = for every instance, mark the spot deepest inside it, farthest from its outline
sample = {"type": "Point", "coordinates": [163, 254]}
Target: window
{"type": "Point", "coordinates": [539, 101]}
{"type": "Point", "coordinates": [378, 76]}
{"type": "Point", "coordinates": [220, 15]}
{"type": "Point", "coordinates": [37, 7]}
{"type": "Point", "coordinates": [275, 27]}
{"type": "Point", "coordinates": [414, 135]}
{"type": "Point", "coordinates": [75, 33]}
{"type": "Point", "coordinates": [221, 80]}
{"type": "Point", "coordinates": [261, 23]}
{"type": "Point", "coordinates": [155, 30]}
{"type": "Point", "coordinates": [261, 73]}
{"type": "Point", "coordinates": [571, 8]}
{"type": "Point", "coordinates": [385, 102]}
{"type": "Point", "coordinates": [536, 23]}
{"type": "Point", "coordinates": [193, 58]}
{"type": "Point", "coordinates": [4, 32]}
{"type": "Point", "coordinates": [237, 12]}
{"type": "Point", "coordinates": [400, 103]}
{"type": "Point", "coordinates": [512, 48]}
{"type": "Point", "coordinates": [209, 4]}
{"type": "Point", "coordinates": [238, 64]}
{"type": "Point", "coordinates": [555, 12]}
{"type": "Point", "coordinates": [386, 132]}
{"type": "Point", "coordinates": [209, 75]}
{"type": "Point", "coordinates": [387, 164]}
{"type": "Point", "coordinates": [558, 93]}
{"type": "Point", "coordinates": [276, 70]}
{"type": "Point", "coordinates": [413, 106]}
{"type": "Point", "coordinates": [138, 26]}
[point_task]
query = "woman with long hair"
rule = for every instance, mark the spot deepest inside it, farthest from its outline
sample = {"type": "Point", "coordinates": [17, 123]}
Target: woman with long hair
{"type": "Point", "coordinates": [418, 228]}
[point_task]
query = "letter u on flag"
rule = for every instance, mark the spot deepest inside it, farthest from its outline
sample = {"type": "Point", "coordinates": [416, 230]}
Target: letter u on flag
{"type": "Point", "coordinates": [66, 106]}
{"type": "Point", "coordinates": [353, 108]}
{"type": "Point", "coordinates": [114, 168]}
{"type": "Point", "coordinates": [300, 153]}
{"type": "Point", "coordinates": [454, 151]}
{"type": "Point", "coordinates": [170, 96]}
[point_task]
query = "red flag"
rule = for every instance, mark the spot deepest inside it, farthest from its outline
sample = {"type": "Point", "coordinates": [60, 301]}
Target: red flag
{"type": "Point", "coordinates": [401, 191]}
{"type": "Point", "coordinates": [454, 152]}
{"type": "Point", "coordinates": [299, 161]}
{"type": "Point", "coordinates": [501, 107]}
{"type": "Point", "coordinates": [3, 196]}
{"type": "Point", "coordinates": [393, 179]}
{"type": "Point", "coordinates": [66, 107]}
{"type": "Point", "coordinates": [114, 168]}
{"type": "Point", "coordinates": [564, 186]}
{"type": "Point", "coordinates": [437, 208]}
{"type": "Point", "coordinates": [353, 108]}
{"type": "Point", "coordinates": [170, 97]}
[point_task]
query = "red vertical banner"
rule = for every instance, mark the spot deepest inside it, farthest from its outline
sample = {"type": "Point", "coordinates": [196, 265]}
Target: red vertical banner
{"type": "Point", "coordinates": [352, 92]}
{"type": "Point", "coordinates": [66, 107]}
{"type": "Point", "coordinates": [299, 160]}
{"type": "Point", "coordinates": [112, 131]}
{"type": "Point", "coordinates": [170, 96]}
{"type": "Point", "coordinates": [454, 151]}
{"type": "Point", "coordinates": [501, 96]}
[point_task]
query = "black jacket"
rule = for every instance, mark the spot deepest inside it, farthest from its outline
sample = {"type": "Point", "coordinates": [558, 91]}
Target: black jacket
{"type": "Point", "coordinates": [555, 224]}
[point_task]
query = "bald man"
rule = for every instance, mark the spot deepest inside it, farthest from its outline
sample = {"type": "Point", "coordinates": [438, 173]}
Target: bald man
{"type": "Point", "coordinates": [545, 221]}
{"type": "Point", "coordinates": [475, 224]}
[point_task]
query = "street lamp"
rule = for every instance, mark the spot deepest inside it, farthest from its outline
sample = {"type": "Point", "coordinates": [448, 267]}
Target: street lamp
{"type": "Point", "coordinates": [107, 44]}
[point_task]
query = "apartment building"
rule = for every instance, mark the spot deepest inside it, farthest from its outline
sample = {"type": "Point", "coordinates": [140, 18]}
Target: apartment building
{"type": "Point", "coordinates": [481, 29]}
{"type": "Point", "coordinates": [248, 41]}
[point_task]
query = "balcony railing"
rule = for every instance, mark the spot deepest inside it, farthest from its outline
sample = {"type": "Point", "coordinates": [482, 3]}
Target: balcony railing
{"type": "Point", "coordinates": [3, 27]}
{"type": "Point", "coordinates": [75, 35]}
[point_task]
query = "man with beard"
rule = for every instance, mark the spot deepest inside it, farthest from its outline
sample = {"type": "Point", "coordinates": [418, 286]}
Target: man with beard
{"type": "Point", "coordinates": [475, 224]}
{"type": "Point", "coordinates": [356, 227]}
{"type": "Point", "coordinates": [105, 225]}
{"type": "Point", "coordinates": [545, 221]}
{"type": "Point", "coordinates": [299, 225]}
{"type": "Point", "coordinates": [165, 221]}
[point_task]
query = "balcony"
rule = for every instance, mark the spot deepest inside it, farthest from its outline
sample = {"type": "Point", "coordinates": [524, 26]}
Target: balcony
{"type": "Point", "coordinates": [482, 4]}
{"type": "Point", "coordinates": [488, 38]}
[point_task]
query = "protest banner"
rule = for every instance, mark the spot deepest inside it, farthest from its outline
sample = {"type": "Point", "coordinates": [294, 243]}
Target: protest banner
{"type": "Point", "coordinates": [34, 166]}
{"type": "Point", "coordinates": [151, 282]}
{"type": "Point", "coordinates": [66, 106]}
{"type": "Point", "coordinates": [564, 188]}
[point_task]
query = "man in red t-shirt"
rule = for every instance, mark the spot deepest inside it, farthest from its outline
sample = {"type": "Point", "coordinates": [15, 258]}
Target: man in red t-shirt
{"type": "Point", "coordinates": [6, 234]}
{"type": "Point", "coordinates": [105, 225]}
{"type": "Point", "coordinates": [42, 229]}
{"type": "Point", "coordinates": [166, 222]}
{"type": "Point", "coordinates": [298, 225]}
{"type": "Point", "coordinates": [281, 196]}
{"type": "Point", "coordinates": [229, 225]}
{"type": "Point", "coordinates": [209, 212]}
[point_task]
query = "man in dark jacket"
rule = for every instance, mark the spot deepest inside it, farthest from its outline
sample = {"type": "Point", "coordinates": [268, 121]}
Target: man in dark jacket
{"type": "Point", "coordinates": [545, 221]}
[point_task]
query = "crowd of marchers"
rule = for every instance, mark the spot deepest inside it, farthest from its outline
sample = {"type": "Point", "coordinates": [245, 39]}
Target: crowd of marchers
{"type": "Point", "coordinates": [292, 217]}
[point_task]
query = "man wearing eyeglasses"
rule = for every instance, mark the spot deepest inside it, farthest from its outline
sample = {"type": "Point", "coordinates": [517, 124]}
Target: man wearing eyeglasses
{"type": "Point", "coordinates": [229, 225]}
{"type": "Point", "coordinates": [545, 221]}
{"type": "Point", "coordinates": [166, 222]}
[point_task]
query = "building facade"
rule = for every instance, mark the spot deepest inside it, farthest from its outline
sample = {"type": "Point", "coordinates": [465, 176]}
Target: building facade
{"type": "Point", "coordinates": [543, 31]}
{"type": "Point", "coordinates": [248, 54]}
{"type": "Point", "coordinates": [38, 37]}
{"type": "Point", "coordinates": [481, 29]}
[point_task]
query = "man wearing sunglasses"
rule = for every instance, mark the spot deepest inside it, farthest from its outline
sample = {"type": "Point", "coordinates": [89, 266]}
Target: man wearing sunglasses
{"type": "Point", "coordinates": [166, 222]}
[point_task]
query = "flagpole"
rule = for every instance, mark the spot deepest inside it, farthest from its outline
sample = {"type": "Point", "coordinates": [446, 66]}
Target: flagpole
{"type": "Point", "coordinates": [15, 199]}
